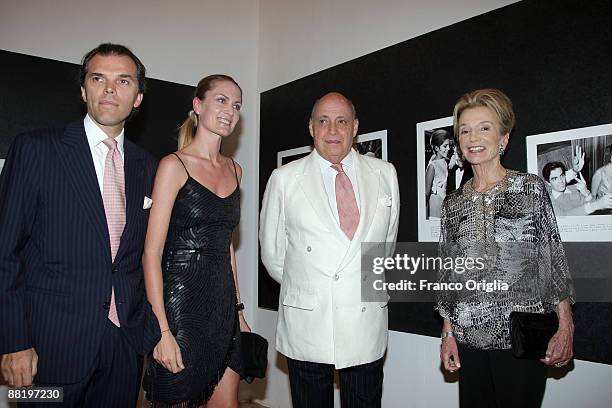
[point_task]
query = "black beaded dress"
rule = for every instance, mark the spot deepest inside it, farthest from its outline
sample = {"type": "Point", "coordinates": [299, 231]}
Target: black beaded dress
{"type": "Point", "coordinates": [199, 297]}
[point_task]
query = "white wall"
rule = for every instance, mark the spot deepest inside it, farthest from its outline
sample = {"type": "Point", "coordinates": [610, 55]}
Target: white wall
{"type": "Point", "coordinates": [298, 38]}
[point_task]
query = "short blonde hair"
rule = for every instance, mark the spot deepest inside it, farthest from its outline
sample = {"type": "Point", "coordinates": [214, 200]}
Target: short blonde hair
{"type": "Point", "coordinates": [494, 99]}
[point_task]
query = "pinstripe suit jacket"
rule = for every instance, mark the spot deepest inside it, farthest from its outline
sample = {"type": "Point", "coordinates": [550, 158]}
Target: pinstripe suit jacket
{"type": "Point", "coordinates": [56, 271]}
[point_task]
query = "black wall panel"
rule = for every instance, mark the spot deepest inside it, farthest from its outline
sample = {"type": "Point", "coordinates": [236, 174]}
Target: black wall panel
{"type": "Point", "coordinates": [552, 58]}
{"type": "Point", "coordinates": [39, 92]}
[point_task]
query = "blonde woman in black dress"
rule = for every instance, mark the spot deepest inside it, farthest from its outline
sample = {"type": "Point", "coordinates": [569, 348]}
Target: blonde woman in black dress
{"type": "Point", "coordinates": [189, 262]}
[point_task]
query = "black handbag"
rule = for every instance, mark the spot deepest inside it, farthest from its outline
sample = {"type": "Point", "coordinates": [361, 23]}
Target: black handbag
{"type": "Point", "coordinates": [531, 332]}
{"type": "Point", "coordinates": [254, 355]}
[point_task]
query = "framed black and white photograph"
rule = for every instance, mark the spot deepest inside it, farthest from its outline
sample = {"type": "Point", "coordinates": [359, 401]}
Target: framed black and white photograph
{"type": "Point", "coordinates": [577, 168]}
{"type": "Point", "coordinates": [287, 156]}
{"type": "Point", "coordinates": [371, 144]}
{"type": "Point", "coordinates": [440, 170]}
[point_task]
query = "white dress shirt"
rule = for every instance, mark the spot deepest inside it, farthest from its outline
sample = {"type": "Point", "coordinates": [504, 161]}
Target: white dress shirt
{"type": "Point", "coordinates": [95, 138]}
{"type": "Point", "coordinates": [459, 176]}
{"type": "Point", "coordinates": [329, 179]}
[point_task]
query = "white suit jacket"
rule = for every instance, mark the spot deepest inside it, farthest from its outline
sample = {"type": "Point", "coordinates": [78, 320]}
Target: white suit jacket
{"type": "Point", "coordinates": [321, 317]}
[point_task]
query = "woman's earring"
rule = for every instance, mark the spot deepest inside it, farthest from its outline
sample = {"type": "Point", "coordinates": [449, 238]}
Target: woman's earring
{"type": "Point", "coordinates": [501, 149]}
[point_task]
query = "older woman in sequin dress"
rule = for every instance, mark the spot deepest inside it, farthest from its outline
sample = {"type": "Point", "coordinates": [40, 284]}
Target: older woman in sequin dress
{"type": "Point", "coordinates": [506, 218]}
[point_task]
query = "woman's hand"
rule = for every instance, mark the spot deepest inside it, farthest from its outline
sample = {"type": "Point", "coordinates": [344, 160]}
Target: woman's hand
{"type": "Point", "coordinates": [560, 347]}
{"type": "Point", "coordinates": [168, 354]}
{"type": "Point", "coordinates": [454, 160]}
{"type": "Point", "coordinates": [244, 326]}
{"type": "Point", "coordinates": [449, 354]}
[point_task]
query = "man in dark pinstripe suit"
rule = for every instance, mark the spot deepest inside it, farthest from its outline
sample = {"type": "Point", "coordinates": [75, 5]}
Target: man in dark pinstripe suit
{"type": "Point", "coordinates": [73, 311]}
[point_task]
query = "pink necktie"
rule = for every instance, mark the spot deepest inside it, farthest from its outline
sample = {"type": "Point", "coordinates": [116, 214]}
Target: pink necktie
{"type": "Point", "coordinates": [114, 207]}
{"type": "Point", "coordinates": [346, 202]}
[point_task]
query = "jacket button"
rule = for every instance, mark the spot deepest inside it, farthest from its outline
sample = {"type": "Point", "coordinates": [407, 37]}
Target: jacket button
{"type": "Point", "coordinates": [106, 305]}
{"type": "Point", "coordinates": [115, 270]}
{"type": "Point", "coordinates": [308, 248]}
{"type": "Point", "coordinates": [363, 309]}
{"type": "Point", "coordinates": [336, 277]}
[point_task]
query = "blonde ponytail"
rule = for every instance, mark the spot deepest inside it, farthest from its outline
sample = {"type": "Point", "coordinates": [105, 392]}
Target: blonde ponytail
{"type": "Point", "coordinates": [187, 130]}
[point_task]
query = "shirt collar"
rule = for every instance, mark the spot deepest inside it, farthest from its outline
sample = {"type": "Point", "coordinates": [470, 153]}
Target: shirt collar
{"type": "Point", "coordinates": [326, 165]}
{"type": "Point", "coordinates": [95, 135]}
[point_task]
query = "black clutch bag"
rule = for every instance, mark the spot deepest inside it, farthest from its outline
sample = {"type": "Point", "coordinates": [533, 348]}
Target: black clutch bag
{"type": "Point", "coordinates": [531, 332]}
{"type": "Point", "coordinates": [254, 356]}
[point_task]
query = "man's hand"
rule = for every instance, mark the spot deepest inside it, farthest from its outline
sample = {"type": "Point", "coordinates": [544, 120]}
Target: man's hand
{"type": "Point", "coordinates": [19, 368]}
{"type": "Point", "coordinates": [578, 160]}
{"type": "Point", "coordinates": [581, 185]}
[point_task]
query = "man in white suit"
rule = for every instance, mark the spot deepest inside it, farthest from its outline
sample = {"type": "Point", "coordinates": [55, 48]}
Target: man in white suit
{"type": "Point", "coordinates": [314, 218]}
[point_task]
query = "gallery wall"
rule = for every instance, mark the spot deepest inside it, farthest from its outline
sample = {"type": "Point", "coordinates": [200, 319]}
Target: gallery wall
{"type": "Point", "coordinates": [521, 53]}
{"type": "Point", "coordinates": [153, 127]}
{"type": "Point", "coordinates": [546, 55]}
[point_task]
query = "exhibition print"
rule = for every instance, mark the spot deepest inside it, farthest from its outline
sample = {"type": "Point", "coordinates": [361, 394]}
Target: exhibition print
{"type": "Point", "coordinates": [369, 144]}
{"type": "Point", "coordinates": [440, 170]}
{"type": "Point", "coordinates": [576, 165]}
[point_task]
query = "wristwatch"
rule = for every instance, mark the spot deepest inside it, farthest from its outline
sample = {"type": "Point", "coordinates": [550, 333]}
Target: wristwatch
{"type": "Point", "coordinates": [447, 334]}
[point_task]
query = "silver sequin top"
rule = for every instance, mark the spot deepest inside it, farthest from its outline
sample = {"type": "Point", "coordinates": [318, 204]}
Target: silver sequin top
{"type": "Point", "coordinates": [512, 229]}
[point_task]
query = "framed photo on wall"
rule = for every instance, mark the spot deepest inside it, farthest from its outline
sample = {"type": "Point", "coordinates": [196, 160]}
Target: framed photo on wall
{"type": "Point", "coordinates": [577, 168]}
{"type": "Point", "coordinates": [439, 170]}
{"type": "Point", "coordinates": [371, 144]}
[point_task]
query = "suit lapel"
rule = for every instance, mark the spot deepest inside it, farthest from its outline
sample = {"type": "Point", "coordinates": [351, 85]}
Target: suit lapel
{"type": "Point", "coordinates": [368, 180]}
{"type": "Point", "coordinates": [76, 157]}
{"type": "Point", "coordinates": [134, 194]}
{"type": "Point", "coordinates": [311, 182]}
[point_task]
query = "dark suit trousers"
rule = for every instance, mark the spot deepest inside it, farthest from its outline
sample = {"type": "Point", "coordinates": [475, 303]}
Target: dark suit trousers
{"type": "Point", "coordinates": [114, 380]}
{"type": "Point", "coordinates": [495, 379]}
{"type": "Point", "coordinates": [312, 384]}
